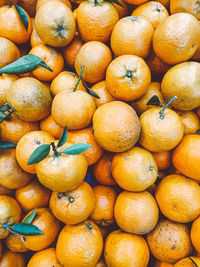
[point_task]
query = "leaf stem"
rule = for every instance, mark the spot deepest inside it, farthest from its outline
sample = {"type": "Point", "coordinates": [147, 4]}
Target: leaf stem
{"type": "Point", "coordinates": [7, 115]}
{"type": "Point", "coordinates": [43, 64]}
{"type": "Point", "coordinates": [55, 149]}
{"type": "Point", "coordinates": [193, 261]}
{"type": "Point", "coordinates": [79, 78]}
{"type": "Point", "coordinates": [8, 3]}
{"type": "Point", "coordinates": [163, 110]}
{"type": "Point", "coordinates": [6, 226]}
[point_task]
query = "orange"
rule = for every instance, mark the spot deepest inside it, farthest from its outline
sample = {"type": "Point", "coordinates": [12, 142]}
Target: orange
{"type": "Point", "coordinates": [163, 159]}
{"type": "Point", "coordinates": [182, 81]}
{"type": "Point", "coordinates": [0, 249]}
{"type": "Point", "coordinates": [30, 99]}
{"type": "Point", "coordinates": [29, 6]}
{"type": "Point", "coordinates": [122, 11]}
{"type": "Point", "coordinates": [124, 249]}
{"type": "Point", "coordinates": [96, 20]}
{"type": "Point", "coordinates": [35, 39]}
{"type": "Point", "coordinates": [169, 241]}
{"type": "Point", "coordinates": [3, 2]}
{"type": "Point", "coordinates": [135, 169]}
{"type": "Point", "coordinates": [116, 126]}
{"type": "Point", "coordinates": [65, 81]}
{"type": "Point", "coordinates": [187, 262]}
{"type": "Point", "coordinates": [93, 54]}
{"type": "Point", "coordinates": [9, 52]}
{"type": "Point", "coordinates": [136, 213]}
{"type": "Point", "coordinates": [100, 263]}
{"type": "Point", "coordinates": [15, 244]}
{"type": "Point", "coordinates": [103, 213]}
{"type": "Point", "coordinates": [27, 144]}
{"type": "Point", "coordinates": [5, 82]}
{"type": "Point", "coordinates": [73, 207]}
{"type": "Point", "coordinates": [10, 213]}
{"type": "Point", "coordinates": [55, 23]}
{"type": "Point", "coordinates": [128, 77]}
{"type": "Point", "coordinates": [135, 2]}
{"type": "Point", "coordinates": [101, 90]}
{"type": "Point", "coordinates": [74, 109]}
{"type": "Point", "coordinates": [152, 11]}
{"type": "Point", "coordinates": [186, 156]}
{"type": "Point", "coordinates": [195, 234]}
{"type": "Point", "coordinates": [132, 36]}
{"type": "Point", "coordinates": [13, 129]}
{"type": "Point", "coordinates": [11, 174]}
{"type": "Point", "coordinates": [14, 30]}
{"type": "Point", "coordinates": [46, 257]}
{"type": "Point", "coordinates": [102, 169]}
{"type": "Point", "coordinates": [50, 126]}
{"type": "Point", "coordinates": [190, 121]}
{"type": "Point", "coordinates": [6, 191]}
{"type": "Point", "coordinates": [163, 2]}
{"type": "Point", "coordinates": [33, 195]}
{"type": "Point", "coordinates": [42, 2]}
{"type": "Point", "coordinates": [86, 136]}
{"type": "Point", "coordinates": [178, 198]}
{"type": "Point", "coordinates": [12, 259]}
{"type": "Point", "coordinates": [156, 65]}
{"type": "Point", "coordinates": [162, 264]}
{"type": "Point", "coordinates": [177, 38]}
{"type": "Point", "coordinates": [70, 51]}
{"type": "Point", "coordinates": [186, 6]}
{"type": "Point", "coordinates": [79, 245]}
{"type": "Point", "coordinates": [48, 224]}
{"type": "Point", "coordinates": [52, 58]}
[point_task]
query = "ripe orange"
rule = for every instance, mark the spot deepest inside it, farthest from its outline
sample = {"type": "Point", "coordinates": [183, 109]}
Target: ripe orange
{"type": "Point", "coordinates": [135, 2]}
{"type": "Point", "coordinates": [50, 126]}
{"type": "Point", "coordinates": [42, 2]}
{"type": "Point", "coordinates": [15, 244]}
{"type": "Point", "coordinates": [163, 159]}
{"type": "Point", "coordinates": [162, 264]}
{"type": "Point", "coordinates": [5, 82]}
{"type": "Point", "coordinates": [190, 121]}
{"type": "Point", "coordinates": [9, 52]}
{"type": "Point", "coordinates": [12, 259]}
{"type": "Point", "coordinates": [100, 263]}
{"type": "Point", "coordinates": [163, 2]}
{"type": "Point", "coordinates": [186, 6]}
{"type": "Point", "coordinates": [187, 262]}
{"type": "Point", "coordinates": [195, 234]}
{"type": "Point", "coordinates": [156, 65]}
{"type": "Point", "coordinates": [35, 40]}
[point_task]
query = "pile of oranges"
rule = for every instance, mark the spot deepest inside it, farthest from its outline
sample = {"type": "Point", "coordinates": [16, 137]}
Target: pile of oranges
{"type": "Point", "coordinates": [99, 133]}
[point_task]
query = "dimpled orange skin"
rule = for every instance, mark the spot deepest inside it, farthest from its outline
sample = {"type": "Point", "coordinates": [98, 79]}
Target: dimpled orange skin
{"type": "Point", "coordinates": [186, 262]}
{"type": "Point", "coordinates": [9, 52]}
{"type": "Point", "coordinates": [186, 155]}
{"type": "Point", "coordinates": [12, 259]}
{"type": "Point", "coordinates": [73, 207]}
{"type": "Point", "coordinates": [195, 234]}
{"type": "Point", "coordinates": [93, 54]}
{"type": "Point", "coordinates": [132, 36]}
{"type": "Point", "coordinates": [125, 249]}
{"type": "Point", "coordinates": [122, 11]}
{"type": "Point", "coordinates": [136, 213]}
{"type": "Point", "coordinates": [134, 170]}
{"type": "Point", "coordinates": [163, 159]}
{"type": "Point", "coordinates": [50, 126]}
{"type": "Point", "coordinates": [52, 58]}
{"type": "Point", "coordinates": [191, 6]}
{"type": "Point", "coordinates": [156, 65]}
{"type": "Point", "coordinates": [95, 22]}
{"type": "Point", "coordinates": [42, 2]}
{"type": "Point", "coordinates": [15, 244]}
{"type": "Point", "coordinates": [135, 2]}
{"type": "Point", "coordinates": [178, 198]}
{"type": "Point", "coordinates": [169, 241]}
{"type": "Point", "coordinates": [190, 121]}
{"type": "Point", "coordinates": [116, 126]}
{"type": "Point", "coordinates": [48, 224]}
{"type": "Point", "coordinates": [5, 82]}
{"type": "Point", "coordinates": [84, 240]}
{"type": "Point", "coordinates": [128, 77]}
{"type": "Point", "coordinates": [177, 44]}
{"type": "Point", "coordinates": [15, 30]}
{"type": "Point", "coordinates": [157, 134]}
{"type": "Point", "coordinates": [162, 264]}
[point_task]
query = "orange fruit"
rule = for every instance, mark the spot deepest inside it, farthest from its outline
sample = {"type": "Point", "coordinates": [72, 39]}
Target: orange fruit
{"type": "Point", "coordinates": [32, 195]}
{"type": "Point", "coordinates": [34, 39]}
{"type": "Point", "coordinates": [52, 58]}
{"type": "Point", "coordinates": [100, 263]}
{"type": "Point", "coordinates": [186, 156]}
{"type": "Point", "coordinates": [96, 20]}
{"type": "Point", "coordinates": [175, 44]}
{"type": "Point", "coordinates": [11, 174]}
{"type": "Point", "coordinates": [27, 144]}
{"type": "Point", "coordinates": [0, 249]}
{"type": "Point", "coordinates": [42, 2]}
{"type": "Point", "coordinates": [162, 264]}
{"type": "Point", "coordinates": [190, 121]}
{"type": "Point", "coordinates": [128, 77]}
{"type": "Point", "coordinates": [103, 213]}
{"type": "Point", "coordinates": [116, 126]}
{"type": "Point", "coordinates": [152, 11]}
{"type": "Point", "coordinates": [178, 198]}
{"type": "Point", "coordinates": [48, 224]}
{"type": "Point", "coordinates": [156, 65]}
{"type": "Point", "coordinates": [73, 207]}
{"type": "Point", "coordinates": [93, 54]}
{"type": "Point", "coordinates": [10, 213]}
{"type": "Point", "coordinates": [15, 244]}
{"type": "Point", "coordinates": [163, 2]}
{"type": "Point", "coordinates": [79, 245]}
{"type": "Point", "coordinates": [12, 259]}
{"type": "Point", "coordinates": [5, 82]}
{"type": "Point", "coordinates": [29, 6]}
{"type": "Point", "coordinates": [30, 99]}
{"type": "Point", "coordinates": [86, 136]}
{"type": "Point", "coordinates": [9, 52]}
{"type": "Point", "coordinates": [135, 2]}
{"type": "Point", "coordinates": [74, 109]}
{"type": "Point", "coordinates": [132, 36]}
{"type": "Point", "coordinates": [102, 169]}
{"type": "Point", "coordinates": [163, 159]}
{"type": "Point", "coordinates": [135, 169]}
{"type": "Point", "coordinates": [136, 213]}
{"type": "Point", "coordinates": [124, 249]}
{"type": "Point", "coordinates": [50, 126]}
{"type": "Point", "coordinates": [55, 23]}
{"type": "Point", "coordinates": [169, 241]}
{"type": "Point", "coordinates": [195, 234]}
{"type": "Point", "coordinates": [6, 191]}
{"type": "Point", "coordinates": [122, 11]}
{"type": "Point", "coordinates": [187, 262]}
{"type": "Point", "coordinates": [186, 6]}
{"type": "Point", "coordinates": [46, 257]}
{"type": "Point", "coordinates": [15, 30]}
{"type": "Point", "coordinates": [3, 2]}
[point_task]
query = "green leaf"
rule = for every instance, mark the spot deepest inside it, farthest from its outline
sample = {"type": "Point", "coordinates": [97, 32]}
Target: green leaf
{"type": "Point", "coordinates": [116, 2]}
{"type": "Point", "coordinates": [39, 154]}
{"type": "Point", "coordinates": [154, 101]}
{"type": "Point", "coordinates": [76, 149]}
{"type": "Point", "coordinates": [26, 229]}
{"type": "Point", "coordinates": [6, 145]}
{"type": "Point", "coordinates": [23, 16]}
{"type": "Point", "coordinates": [31, 217]}
{"type": "Point", "coordinates": [90, 91]}
{"type": "Point", "coordinates": [63, 137]}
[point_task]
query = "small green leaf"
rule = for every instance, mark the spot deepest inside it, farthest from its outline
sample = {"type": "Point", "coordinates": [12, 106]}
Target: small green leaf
{"type": "Point", "coordinates": [31, 217]}
{"type": "Point", "coordinates": [90, 91]}
{"type": "Point", "coordinates": [39, 154]}
{"type": "Point", "coordinates": [6, 145]}
{"type": "Point", "coordinates": [63, 137]}
{"type": "Point", "coordinates": [23, 15]}
{"type": "Point", "coordinates": [116, 2]}
{"type": "Point", "coordinates": [5, 107]}
{"type": "Point", "coordinates": [76, 149]}
{"type": "Point", "coordinates": [26, 229]}
{"type": "Point", "coordinates": [154, 101]}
